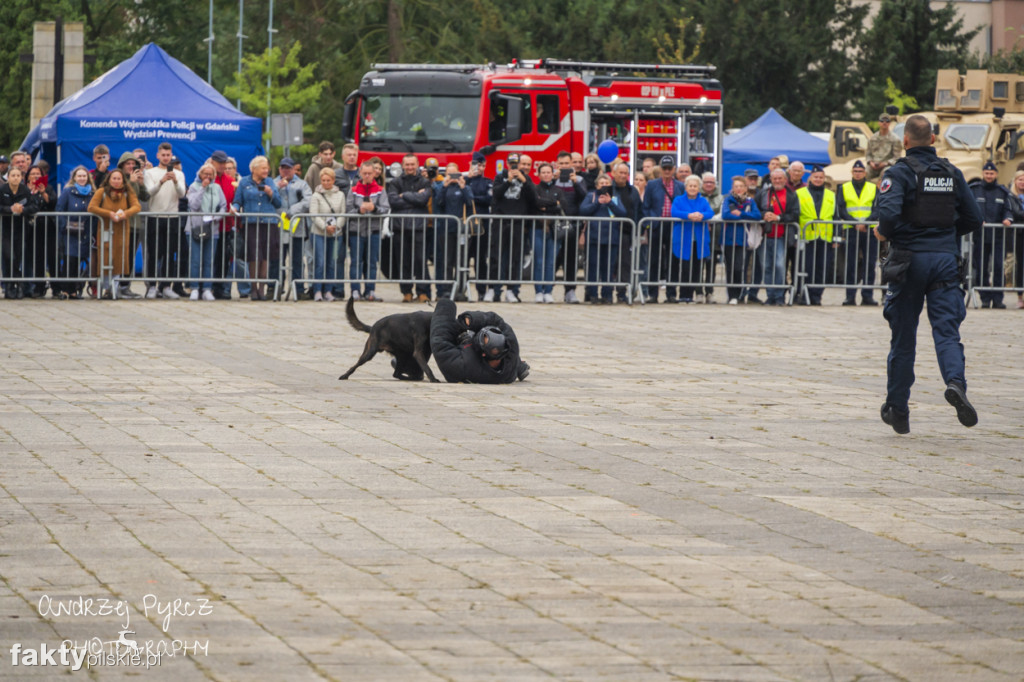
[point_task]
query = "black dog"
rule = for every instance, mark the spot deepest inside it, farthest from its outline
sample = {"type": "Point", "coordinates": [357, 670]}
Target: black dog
{"type": "Point", "coordinates": [404, 335]}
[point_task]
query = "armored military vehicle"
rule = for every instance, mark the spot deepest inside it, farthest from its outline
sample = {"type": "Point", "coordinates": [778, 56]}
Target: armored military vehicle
{"type": "Point", "coordinates": [978, 117]}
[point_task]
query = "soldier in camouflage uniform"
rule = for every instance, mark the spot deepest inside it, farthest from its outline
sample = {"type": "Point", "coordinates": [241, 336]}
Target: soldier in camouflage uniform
{"type": "Point", "coordinates": [883, 149]}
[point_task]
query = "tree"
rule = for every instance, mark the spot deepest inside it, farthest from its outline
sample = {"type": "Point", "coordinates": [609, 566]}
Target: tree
{"type": "Point", "coordinates": [908, 42]}
{"type": "Point", "coordinates": [902, 101]}
{"type": "Point", "coordinates": [672, 47]}
{"type": "Point", "coordinates": [114, 30]}
{"type": "Point", "coordinates": [16, 79]}
{"type": "Point", "coordinates": [1003, 61]}
{"type": "Point", "coordinates": [793, 57]}
{"type": "Point", "coordinates": [292, 86]}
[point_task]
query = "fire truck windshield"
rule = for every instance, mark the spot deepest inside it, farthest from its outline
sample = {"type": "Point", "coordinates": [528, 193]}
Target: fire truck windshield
{"type": "Point", "coordinates": [419, 123]}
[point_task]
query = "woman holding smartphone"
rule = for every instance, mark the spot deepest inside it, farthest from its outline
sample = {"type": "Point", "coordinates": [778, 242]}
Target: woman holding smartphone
{"type": "Point", "coordinates": [41, 238]}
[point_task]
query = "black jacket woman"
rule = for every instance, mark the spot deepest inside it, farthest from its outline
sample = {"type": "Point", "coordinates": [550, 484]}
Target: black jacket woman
{"type": "Point", "coordinates": [42, 245]}
{"type": "Point", "coordinates": [17, 206]}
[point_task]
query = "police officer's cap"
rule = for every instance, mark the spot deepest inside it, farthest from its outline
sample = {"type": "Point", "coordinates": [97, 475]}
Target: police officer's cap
{"type": "Point", "coordinates": [817, 169]}
{"type": "Point", "coordinates": [858, 164]}
{"type": "Point", "coordinates": [667, 162]}
{"type": "Point", "coordinates": [491, 343]}
{"type": "Point", "coordinates": [478, 157]}
{"type": "Point", "coordinates": [989, 166]}
{"type": "Point", "coordinates": [884, 118]}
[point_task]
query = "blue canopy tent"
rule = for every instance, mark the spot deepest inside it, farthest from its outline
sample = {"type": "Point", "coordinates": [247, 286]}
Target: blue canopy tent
{"type": "Point", "coordinates": [768, 136]}
{"type": "Point", "coordinates": [143, 101]}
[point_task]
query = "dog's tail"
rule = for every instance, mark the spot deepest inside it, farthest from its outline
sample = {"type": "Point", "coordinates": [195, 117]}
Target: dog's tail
{"type": "Point", "coordinates": [350, 314]}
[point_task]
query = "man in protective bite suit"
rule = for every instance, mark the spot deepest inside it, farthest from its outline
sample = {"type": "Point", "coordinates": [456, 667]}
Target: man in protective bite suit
{"type": "Point", "coordinates": [475, 348]}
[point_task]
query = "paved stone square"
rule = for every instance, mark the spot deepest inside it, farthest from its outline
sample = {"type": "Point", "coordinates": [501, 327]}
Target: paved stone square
{"type": "Point", "coordinates": [675, 493]}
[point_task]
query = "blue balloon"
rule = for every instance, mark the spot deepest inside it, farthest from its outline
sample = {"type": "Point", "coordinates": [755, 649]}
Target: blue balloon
{"type": "Point", "coordinates": [607, 151]}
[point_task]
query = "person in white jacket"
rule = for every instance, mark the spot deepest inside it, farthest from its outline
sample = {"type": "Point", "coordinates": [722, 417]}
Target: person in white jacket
{"type": "Point", "coordinates": [205, 201]}
{"type": "Point", "coordinates": [163, 226]}
{"type": "Point", "coordinates": [327, 206]}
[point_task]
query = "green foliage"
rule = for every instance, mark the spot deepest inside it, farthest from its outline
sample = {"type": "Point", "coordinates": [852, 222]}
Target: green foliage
{"type": "Point", "coordinates": [672, 49]}
{"type": "Point", "coordinates": [1003, 61]}
{"type": "Point", "coordinates": [293, 88]}
{"type": "Point", "coordinates": [16, 76]}
{"type": "Point", "coordinates": [908, 42]}
{"type": "Point", "coordinates": [792, 56]}
{"type": "Point", "coordinates": [116, 29]}
{"type": "Point", "coordinates": [898, 98]}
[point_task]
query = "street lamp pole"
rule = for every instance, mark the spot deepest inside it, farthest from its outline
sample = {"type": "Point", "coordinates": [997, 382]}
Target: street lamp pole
{"type": "Point", "coordinates": [241, 37]}
{"type": "Point", "coordinates": [270, 66]}
{"type": "Point", "coordinates": [209, 49]}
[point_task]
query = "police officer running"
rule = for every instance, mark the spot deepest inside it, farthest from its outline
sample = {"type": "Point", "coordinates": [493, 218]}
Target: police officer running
{"type": "Point", "coordinates": [924, 206]}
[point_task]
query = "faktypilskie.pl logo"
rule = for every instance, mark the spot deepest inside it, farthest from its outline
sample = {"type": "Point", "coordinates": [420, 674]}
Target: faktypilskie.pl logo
{"type": "Point", "coordinates": [123, 650]}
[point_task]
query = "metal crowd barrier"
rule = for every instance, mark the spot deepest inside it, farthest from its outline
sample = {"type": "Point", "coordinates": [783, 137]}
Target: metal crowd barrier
{"type": "Point", "coordinates": [365, 250]}
{"type": "Point", "coordinates": [694, 270]}
{"type": "Point", "coordinates": [244, 249]}
{"type": "Point", "coordinates": [50, 248]}
{"type": "Point", "coordinates": [837, 254]}
{"type": "Point", "coordinates": [79, 252]}
{"type": "Point", "coordinates": [995, 262]}
{"type": "Point", "coordinates": [610, 257]}
{"type": "Point", "coordinates": [516, 250]}
{"type": "Point", "coordinates": [847, 260]}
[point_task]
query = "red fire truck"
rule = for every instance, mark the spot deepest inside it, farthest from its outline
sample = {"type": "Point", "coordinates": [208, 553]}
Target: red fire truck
{"type": "Point", "coordinates": [540, 107]}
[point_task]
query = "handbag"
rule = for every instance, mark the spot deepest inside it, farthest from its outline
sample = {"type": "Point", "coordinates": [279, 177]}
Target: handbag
{"type": "Point", "coordinates": [203, 230]}
{"type": "Point", "coordinates": [755, 234]}
{"type": "Point", "coordinates": [563, 227]}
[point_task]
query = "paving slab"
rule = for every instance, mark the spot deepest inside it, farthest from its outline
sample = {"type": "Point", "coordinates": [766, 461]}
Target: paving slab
{"type": "Point", "coordinates": [698, 492]}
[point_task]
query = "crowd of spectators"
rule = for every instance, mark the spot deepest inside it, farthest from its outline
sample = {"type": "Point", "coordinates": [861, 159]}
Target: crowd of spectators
{"type": "Point", "coordinates": [345, 222]}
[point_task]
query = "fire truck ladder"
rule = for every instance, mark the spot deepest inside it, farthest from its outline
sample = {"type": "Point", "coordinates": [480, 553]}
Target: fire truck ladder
{"type": "Point", "coordinates": [459, 68]}
{"type": "Point", "coordinates": [670, 70]}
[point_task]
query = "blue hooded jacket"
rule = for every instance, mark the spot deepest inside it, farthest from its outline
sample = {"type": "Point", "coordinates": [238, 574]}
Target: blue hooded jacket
{"type": "Point", "coordinates": [76, 233]}
{"type": "Point", "coordinates": [691, 239]}
{"type": "Point", "coordinates": [734, 234]}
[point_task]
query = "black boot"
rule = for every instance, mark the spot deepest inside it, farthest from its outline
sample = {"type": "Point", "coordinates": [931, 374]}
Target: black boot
{"type": "Point", "coordinates": [900, 423]}
{"type": "Point", "coordinates": [956, 395]}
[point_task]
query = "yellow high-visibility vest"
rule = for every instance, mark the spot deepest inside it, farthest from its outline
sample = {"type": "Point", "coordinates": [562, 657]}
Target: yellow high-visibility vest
{"type": "Point", "coordinates": [288, 225]}
{"type": "Point", "coordinates": [859, 206]}
{"type": "Point", "coordinates": [807, 214]}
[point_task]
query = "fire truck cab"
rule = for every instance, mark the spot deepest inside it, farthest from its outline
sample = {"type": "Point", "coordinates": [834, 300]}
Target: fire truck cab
{"type": "Point", "coordinates": [537, 107]}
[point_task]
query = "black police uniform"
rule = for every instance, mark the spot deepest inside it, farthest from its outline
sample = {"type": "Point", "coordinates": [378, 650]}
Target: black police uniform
{"type": "Point", "coordinates": [924, 206]}
{"type": "Point", "coordinates": [989, 250]}
{"type": "Point", "coordinates": [460, 362]}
